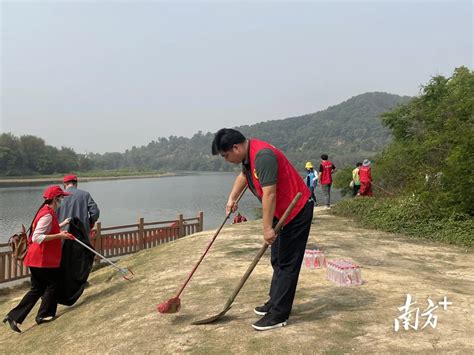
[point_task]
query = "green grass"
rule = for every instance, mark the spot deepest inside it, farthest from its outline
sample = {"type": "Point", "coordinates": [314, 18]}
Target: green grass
{"type": "Point", "coordinates": [405, 215]}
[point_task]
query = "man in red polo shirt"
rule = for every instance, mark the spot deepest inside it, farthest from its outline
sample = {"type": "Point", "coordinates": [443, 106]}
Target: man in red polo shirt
{"type": "Point", "coordinates": [275, 182]}
{"type": "Point", "coordinates": [326, 168]}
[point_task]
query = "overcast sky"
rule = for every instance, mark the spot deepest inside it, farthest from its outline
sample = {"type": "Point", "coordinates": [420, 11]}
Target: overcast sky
{"type": "Point", "coordinates": [103, 76]}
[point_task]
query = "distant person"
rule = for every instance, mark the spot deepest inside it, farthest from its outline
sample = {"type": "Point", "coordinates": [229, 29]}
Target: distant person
{"type": "Point", "coordinates": [239, 218]}
{"type": "Point", "coordinates": [43, 258]}
{"type": "Point", "coordinates": [356, 180]}
{"type": "Point", "coordinates": [311, 179]}
{"type": "Point", "coordinates": [79, 204]}
{"type": "Point", "coordinates": [275, 182]}
{"type": "Point", "coordinates": [365, 177]}
{"type": "Point", "coordinates": [326, 169]}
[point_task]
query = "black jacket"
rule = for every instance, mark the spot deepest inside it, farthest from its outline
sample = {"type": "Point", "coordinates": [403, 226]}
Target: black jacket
{"type": "Point", "coordinates": [76, 265]}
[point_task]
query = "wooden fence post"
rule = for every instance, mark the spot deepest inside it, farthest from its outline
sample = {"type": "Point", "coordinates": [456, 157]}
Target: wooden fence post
{"type": "Point", "coordinates": [201, 221]}
{"type": "Point", "coordinates": [98, 241]}
{"type": "Point", "coordinates": [2, 267]}
{"type": "Point", "coordinates": [181, 226]}
{"type": "Point", "coordinates": [141, 234]}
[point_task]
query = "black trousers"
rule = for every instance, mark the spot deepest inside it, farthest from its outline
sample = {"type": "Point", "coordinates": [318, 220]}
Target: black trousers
{"type": "Point", "coordinates": [44, 283]}
{"type": "Point", "coordinates": [313, 196]}
{"type": "Point", "coordinates": [287, 253]}
{"type": "Point", "coordinates": [355, 190]}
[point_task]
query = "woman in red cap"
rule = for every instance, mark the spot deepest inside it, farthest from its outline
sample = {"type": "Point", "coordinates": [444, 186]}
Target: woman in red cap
{"type": "Point", "coordinates": [43, 258]}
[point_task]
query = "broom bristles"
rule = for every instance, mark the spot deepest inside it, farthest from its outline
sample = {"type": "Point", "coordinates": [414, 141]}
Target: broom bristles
{"type": "Point", "coordinates": [171, 306]}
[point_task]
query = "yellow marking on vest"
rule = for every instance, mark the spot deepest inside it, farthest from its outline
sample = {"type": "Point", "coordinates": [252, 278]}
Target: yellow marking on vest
{"type": "Point", "coordinates": [255, 173]}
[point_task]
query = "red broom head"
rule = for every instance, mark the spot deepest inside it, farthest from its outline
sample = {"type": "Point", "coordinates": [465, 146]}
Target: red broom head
{"type": "Point", "coordinates": [171, 306]}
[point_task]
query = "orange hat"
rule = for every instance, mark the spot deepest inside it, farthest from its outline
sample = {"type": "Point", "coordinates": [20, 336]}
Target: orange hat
{"type": "Point", "coordinates": [68, 178]}
{"type": "Point", "coordinates": [54, 191]}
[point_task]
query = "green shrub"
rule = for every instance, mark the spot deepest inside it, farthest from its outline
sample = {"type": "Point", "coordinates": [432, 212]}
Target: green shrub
{"type": "Point", "coordinates": [342, 178]}
{"type": "Point", "coordinates": [432, 154]}
{"type": "Point", "coordinates": [408, 215]}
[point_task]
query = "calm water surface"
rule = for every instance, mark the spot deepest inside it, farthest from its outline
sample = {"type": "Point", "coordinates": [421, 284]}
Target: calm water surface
{"type": "Point", "coordinates": [124, 201]}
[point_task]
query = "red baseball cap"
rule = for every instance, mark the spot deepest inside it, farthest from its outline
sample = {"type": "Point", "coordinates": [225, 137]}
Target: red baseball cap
{"type": "Point", "coordinates": [54, 191]}
{"type": "Point", "coordinates": [68, 178]}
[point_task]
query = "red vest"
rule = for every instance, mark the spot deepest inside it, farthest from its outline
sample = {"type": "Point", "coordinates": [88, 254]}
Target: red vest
{"type": "Point", "coordinates": [288, 185]}
{"type": "Point", "coordinates": [239, 219]}
{"type": "Point", "coordinates": [46, 254]}
{"type": "Point", "coordinates": [364, 174]}
{"type": "Point", "coordinates": [326, 176]}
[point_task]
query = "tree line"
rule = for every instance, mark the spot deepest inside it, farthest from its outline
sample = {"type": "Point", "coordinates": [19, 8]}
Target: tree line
{"type": "Point", "coordinates": [347, 132]}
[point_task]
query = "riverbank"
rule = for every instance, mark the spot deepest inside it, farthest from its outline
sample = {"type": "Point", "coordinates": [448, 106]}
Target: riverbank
{"type": "Point", "coordinates": [57, 179]}
{"type": "Point", "coordinates": [118, 315]}
{"type": "Point", "coordinates": [408, 216]}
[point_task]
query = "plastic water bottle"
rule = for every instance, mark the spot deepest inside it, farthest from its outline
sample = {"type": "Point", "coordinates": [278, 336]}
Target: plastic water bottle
{"type": "Point", "coordinates": [344, 272]}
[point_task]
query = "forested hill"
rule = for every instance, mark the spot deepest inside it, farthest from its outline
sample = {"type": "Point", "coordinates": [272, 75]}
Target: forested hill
{"type": "Point", "coordinates": [348, 132]}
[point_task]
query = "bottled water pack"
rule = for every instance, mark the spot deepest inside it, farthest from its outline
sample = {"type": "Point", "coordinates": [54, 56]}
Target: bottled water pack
{"type": "Point", "coordinates": [344, 272]}
{"type": "Point", "coordinates": [314, 259]}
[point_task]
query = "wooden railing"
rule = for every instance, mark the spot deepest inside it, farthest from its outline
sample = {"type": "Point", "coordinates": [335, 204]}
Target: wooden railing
{"type": "Point", "coordinates": [115, 241]}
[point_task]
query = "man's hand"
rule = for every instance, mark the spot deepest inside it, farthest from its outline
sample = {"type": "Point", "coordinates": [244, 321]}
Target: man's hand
{"type": "Point", "coordinates": [231, 206]}
{"type": "Point", "coordinates": [269, 236]}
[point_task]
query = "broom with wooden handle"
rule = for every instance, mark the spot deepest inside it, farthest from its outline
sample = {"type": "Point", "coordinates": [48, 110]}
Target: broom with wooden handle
{"type": "Point", "coordinates": [255, 261]}
{"type": "Point", "coordinates": [174, 304]}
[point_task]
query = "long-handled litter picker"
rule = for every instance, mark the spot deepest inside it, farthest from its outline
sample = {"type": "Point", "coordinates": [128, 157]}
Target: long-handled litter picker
{"type": "Point", "coordinates": [174, 304]}
{"type": "Point", "coordinates": [255, 261]}
{"type": "Point", "coordinates": [381, 188]}
{"type": "Point", "coordinates": [127, 274]}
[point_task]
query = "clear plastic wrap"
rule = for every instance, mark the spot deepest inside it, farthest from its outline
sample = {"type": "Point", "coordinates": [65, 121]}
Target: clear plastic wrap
{"type": "Point", "coordinates": [344, 272]}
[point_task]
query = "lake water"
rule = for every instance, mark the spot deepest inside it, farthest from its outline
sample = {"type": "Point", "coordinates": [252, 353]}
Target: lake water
{"type": "Point", "coordinates": [124, 201]}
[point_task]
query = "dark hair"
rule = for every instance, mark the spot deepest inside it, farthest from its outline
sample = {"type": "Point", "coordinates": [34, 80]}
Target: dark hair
{"type": "Point", "coordinates": [324, 157]}
{"type": "Point", "coordinates": [30, 230]}
{"type": "Point", "coordinates": [358, 163]}
{"type": "Point", "coordinates": [225, 139]}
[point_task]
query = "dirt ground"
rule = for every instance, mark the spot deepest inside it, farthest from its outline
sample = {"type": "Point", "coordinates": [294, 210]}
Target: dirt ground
{"type": "Point", "coordinates": [114, 315]}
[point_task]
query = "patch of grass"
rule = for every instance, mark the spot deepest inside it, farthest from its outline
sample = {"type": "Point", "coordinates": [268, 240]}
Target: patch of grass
{"type": "Point", "coordinates": [236, 252]}
{"type": "Point", "coordinates": [261, 345]}
{"type": "Point", "coordinates": [350, 329]}
{"type": "Point", "coordinates": [406, 215]}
